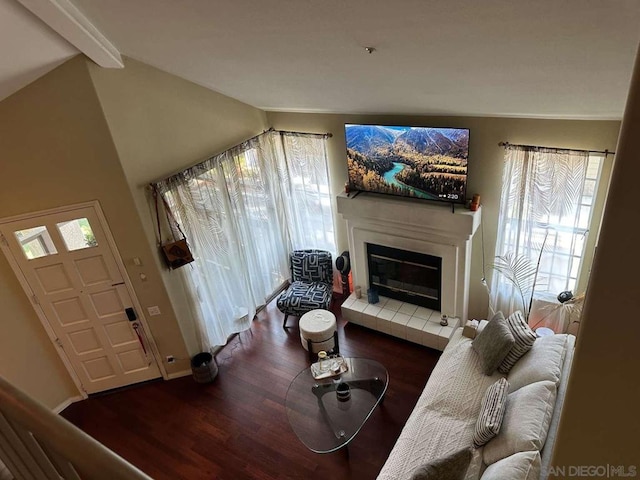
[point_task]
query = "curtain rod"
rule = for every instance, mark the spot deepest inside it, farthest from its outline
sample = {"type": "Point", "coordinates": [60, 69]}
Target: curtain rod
{"type": "Point", "coordinates": [282, 132]}
{"type": "Point", "coordinates": [303, 134]}
{"type": "Point", "coordinates": [534, 147]}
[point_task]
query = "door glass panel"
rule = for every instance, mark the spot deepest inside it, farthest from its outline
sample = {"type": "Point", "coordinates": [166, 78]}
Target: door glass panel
{"type": "Point", "coordinates": [35, 242]}
{"type": "Point", "coordinates": [77, 234]}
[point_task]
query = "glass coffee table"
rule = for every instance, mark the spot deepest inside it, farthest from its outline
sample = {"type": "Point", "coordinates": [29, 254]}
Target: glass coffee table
{"type": "Point", "coordinates": [325, 414]}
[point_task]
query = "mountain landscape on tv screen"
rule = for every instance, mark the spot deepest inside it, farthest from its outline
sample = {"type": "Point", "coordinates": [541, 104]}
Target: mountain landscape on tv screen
{"type": "Point", "coordinates": [418, 162]}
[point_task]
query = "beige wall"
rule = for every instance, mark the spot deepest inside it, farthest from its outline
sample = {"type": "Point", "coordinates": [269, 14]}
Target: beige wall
{"type": "Point", "coordinates": [485, 164]}
{"type": "Point", "coordinates": [600, 421]}
{"type": "Point", "coordinates": [56, 150]}
{"type": "Point", "coordinates": [162, 124]}
{"type": "Point", "coordinates": [28, 358]}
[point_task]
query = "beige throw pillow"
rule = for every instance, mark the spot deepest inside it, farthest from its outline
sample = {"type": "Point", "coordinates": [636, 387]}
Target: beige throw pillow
{"type": "Point", "coordinates": [451, 467]}
{"type": "Point", "coordinates": [525, 424]}
{"type": "Point", "coordinates": [523, 466]}
{"type": "Point", "coordinates": [493, 344]}
{"type": "Point", "coordinates": [543, 362]}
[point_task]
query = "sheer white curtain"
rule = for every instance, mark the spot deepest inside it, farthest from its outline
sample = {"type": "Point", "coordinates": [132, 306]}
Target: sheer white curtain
{"type": "Point", "coordinates": [541, 211]}
{"type": "Point", "coordinates": [306, 199]}
{"type": "Point", "coordinates": [235, 210]}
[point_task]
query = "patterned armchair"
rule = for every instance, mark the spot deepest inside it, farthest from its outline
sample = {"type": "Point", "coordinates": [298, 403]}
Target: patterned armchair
{"type": "Point", "coordinates": [311, 283]}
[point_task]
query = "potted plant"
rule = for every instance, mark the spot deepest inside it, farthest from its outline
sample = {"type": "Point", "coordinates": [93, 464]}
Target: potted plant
{"type": "Point", "coordinates": [523, 274]}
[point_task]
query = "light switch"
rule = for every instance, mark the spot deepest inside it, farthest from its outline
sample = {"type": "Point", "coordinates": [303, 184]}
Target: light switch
{"type": "Point", "coordinates": [137, 262]}
{"type": "Point", "coordinates": [153, 311]}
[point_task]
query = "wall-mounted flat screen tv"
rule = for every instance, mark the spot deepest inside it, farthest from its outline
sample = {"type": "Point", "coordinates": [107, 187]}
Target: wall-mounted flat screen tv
{"type": "Point", "coordinates": [419, 162]}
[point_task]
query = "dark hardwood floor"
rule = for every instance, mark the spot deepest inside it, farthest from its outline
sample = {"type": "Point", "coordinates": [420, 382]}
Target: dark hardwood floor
{"type": "Point", "coordinates": [236, 427]}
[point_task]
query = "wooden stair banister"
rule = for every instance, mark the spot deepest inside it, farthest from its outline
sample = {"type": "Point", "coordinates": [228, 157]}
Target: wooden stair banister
{"type": "Point", "coordinates": [35, 443]}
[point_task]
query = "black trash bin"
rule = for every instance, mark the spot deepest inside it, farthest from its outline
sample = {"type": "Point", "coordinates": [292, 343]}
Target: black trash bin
{"type": "Point", "coordinates": [204, 367]}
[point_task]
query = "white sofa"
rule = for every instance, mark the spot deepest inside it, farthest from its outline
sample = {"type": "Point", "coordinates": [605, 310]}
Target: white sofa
{"type": "Point", "coordinates": [444, 418]}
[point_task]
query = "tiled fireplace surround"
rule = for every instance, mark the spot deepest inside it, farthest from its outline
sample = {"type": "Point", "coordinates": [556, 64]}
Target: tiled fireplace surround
{"type": "Point", "coordinates": [415, 226]}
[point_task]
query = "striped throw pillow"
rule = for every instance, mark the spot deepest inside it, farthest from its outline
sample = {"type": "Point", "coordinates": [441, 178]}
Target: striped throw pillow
{"type": "Point", "coordinates": [524, 339]}
{"type": "Point", "coordinates": [491, 412]}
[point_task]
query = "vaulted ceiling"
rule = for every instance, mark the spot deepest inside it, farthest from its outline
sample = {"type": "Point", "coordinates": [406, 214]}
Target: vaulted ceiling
{"type": "Point", "coordinates": [544, 58]}
{"type": "Point", "coordinates": [28, 48]}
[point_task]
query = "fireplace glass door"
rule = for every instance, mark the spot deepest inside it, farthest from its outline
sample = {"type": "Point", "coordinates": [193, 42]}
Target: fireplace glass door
{"type": "Point", "coordinates": [406, 276]}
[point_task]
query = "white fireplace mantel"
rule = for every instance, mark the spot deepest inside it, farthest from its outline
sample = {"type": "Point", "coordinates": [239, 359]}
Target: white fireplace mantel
{"type": "Point", "coordinates": [417, 226]}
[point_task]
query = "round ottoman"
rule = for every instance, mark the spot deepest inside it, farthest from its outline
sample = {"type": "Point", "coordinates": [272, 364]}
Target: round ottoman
{"type": "Point", "coordinates": [319, 327]}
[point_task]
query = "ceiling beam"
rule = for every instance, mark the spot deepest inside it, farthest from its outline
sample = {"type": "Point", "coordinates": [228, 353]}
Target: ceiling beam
{"type": "Point", "coordinates": [71, 24]}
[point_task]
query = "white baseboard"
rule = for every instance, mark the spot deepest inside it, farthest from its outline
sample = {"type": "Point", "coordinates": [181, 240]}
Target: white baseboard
{"type": "Point", "coordinates": [183, 373]}
{"type": "Point", "coordinates": [66, 403]}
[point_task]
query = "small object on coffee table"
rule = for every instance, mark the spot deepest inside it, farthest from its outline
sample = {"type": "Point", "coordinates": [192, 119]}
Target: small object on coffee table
{"type": "Point", "coordinates": [343, 392]}
{"type": "Point", "coordinates": [323, 366]}
{"type": "Point", "coordinates": [335, 366]}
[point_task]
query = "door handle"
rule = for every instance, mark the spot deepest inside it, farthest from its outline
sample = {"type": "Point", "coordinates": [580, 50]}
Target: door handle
{"type": "Point", "coordinates": [136, 327]}
{"type": "Point", "coordinates": [131, 314]}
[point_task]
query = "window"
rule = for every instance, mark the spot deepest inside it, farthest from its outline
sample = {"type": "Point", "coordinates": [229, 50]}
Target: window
{"type": "Point", "coordinates": [36, 242]}
{"type": "Point", "coordinates": [77, 234]}
{"type": "Point", "coordinates": [243, 211]}
{"type": "Point", "coordinates": [545, 215]}
{"type": "Point", "coordinates": [566, 241]}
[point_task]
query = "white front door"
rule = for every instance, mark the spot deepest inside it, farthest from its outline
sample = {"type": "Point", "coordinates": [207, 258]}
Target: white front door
{"type": "Point", "coordinates": [66, 264]}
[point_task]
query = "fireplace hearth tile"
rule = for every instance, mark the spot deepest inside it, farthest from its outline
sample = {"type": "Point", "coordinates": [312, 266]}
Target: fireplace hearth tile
{"type": "Point", "coordinates": [423, 327]}
{"type": "Point", "coordinates": [445, 335]}
{"type": "Point", "coordinates": [399, 325]}
{"type": "Point", "coordinates": [386, 314]}
{"type": "Point", "coordinates": [372, 310]}
{"type": "Point", "coordinates": [393, 304]}
{"type": "Point", "coordinates": [401, 318]}
{"type": "Point", "coordinates": [348, 302]}
{"type": "Point", "coordinates": [383, 325]}
{"type": "Point", "coordinates": [359, 306]}
{"type": "Point", "coordinates": [369, 321]}
{"type": "Point", "coordinates": [408, 308]}
{"type": "Point", "coordinates": [432, 328]}
{"type": "Point", "coordinates": [416, 323]}
{"type": "Point", "coordinates": [399, 331]}
{"type": "Point", "coordinates": [422, 312]}
{"type": "Point", "coordinates": [414, 329]}
{"type": "Point", "coordinates": [382, 301]}
{"type": "Point", "coordinates": [351, 315]}
{"type": "Point", "coordinates": [414, 335]}
{"type": "Point", "coordinates": [430, 340]}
